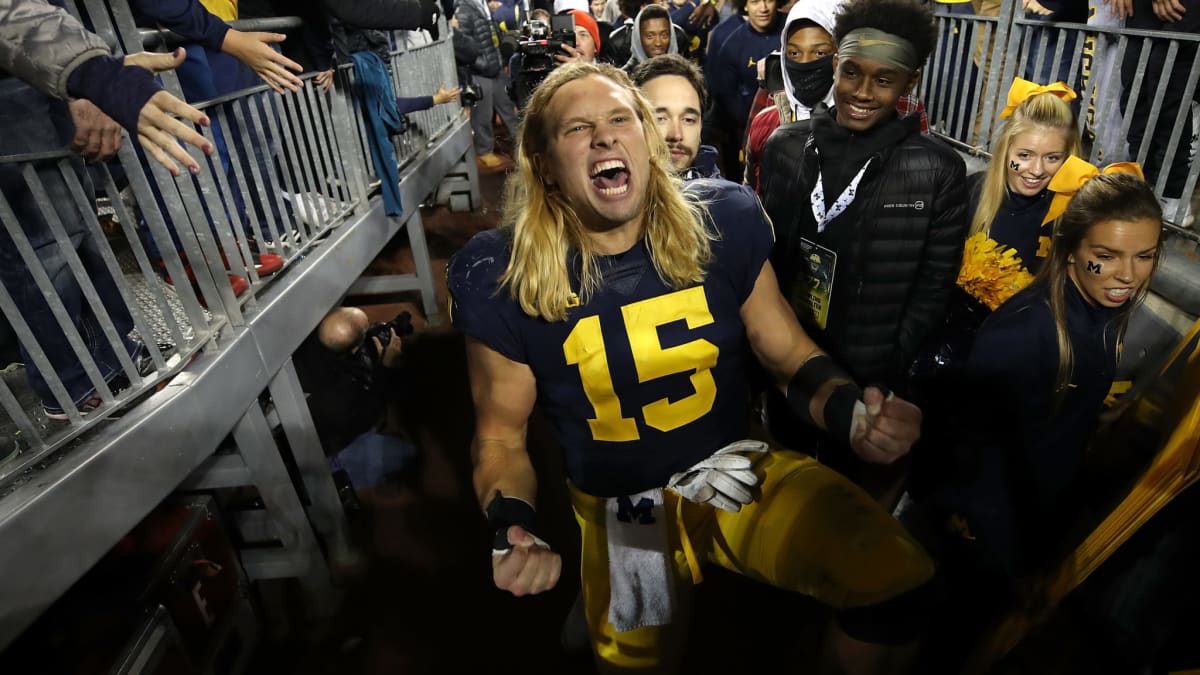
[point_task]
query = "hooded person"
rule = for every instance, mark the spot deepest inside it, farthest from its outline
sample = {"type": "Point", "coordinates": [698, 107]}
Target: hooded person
{"type": "Point", "coordinates": [618, 47]}
{"type": "Point", "coordinates": [653, 35]}
{"type": "Point", "coordinates": [807, 48]}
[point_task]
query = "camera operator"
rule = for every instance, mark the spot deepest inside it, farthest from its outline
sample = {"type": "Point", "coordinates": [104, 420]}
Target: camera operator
{"type": "Point", "coordinates": [474, 21]}
{"type": "Point", "coordinates": [350, 368]}
{"type": "Point", "coordinates": [546, 45]}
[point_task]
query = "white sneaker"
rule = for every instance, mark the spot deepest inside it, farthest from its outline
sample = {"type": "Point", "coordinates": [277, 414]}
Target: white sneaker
{"type": "Point", "coordinates": [314, 208]}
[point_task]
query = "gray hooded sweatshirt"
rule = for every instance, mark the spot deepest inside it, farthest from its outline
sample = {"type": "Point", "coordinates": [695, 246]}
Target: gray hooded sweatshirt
{"type": "Point", "coordinates": [638, 52]}
{"type": "Point", "coordinates": [822, 13]}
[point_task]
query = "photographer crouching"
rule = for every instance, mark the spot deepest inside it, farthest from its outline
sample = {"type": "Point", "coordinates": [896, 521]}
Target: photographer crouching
{"type": "Point", "coordinates": [350, 368]}
{"type": "Point", "coordinates": [544, 45]}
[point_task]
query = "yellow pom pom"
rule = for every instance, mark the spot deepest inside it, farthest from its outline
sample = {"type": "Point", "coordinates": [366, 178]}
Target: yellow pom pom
{"type": "Point", "coordinates": [991, 273]}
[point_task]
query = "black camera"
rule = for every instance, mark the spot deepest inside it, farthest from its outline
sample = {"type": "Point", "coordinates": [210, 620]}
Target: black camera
{"type": "Point", "coordinates": [469, 95]}
{"type": "Point", "coordinates": [382, 331]}
{"type": "Point", "coordinates": [538, 46]}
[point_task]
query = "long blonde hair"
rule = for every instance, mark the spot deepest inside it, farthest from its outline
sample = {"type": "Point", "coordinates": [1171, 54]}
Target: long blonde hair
{"type": "Point", "coordinates": [1040, 111]}
{"type": "Point", "coordinates": [1115, 196]}
{"type": "Point", "coordinates": [548, 235]}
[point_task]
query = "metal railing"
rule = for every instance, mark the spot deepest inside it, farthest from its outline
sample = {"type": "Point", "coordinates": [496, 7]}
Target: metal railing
{"type": "Point", "coordinates": [1122, 76]}
{"type": "Point", "coordinates": [167, 272]}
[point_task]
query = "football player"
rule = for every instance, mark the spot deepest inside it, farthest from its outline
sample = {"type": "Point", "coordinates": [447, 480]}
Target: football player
{"type": "Point", "coordinates": [620, 300]}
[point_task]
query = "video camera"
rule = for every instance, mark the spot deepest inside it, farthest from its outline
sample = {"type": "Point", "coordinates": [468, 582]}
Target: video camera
{"type": "Point", "coordinates": [538, 46]}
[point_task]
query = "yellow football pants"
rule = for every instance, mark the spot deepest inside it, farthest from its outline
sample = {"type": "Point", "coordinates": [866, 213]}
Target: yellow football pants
{"type": "Point", "coordinates": [810, 530]}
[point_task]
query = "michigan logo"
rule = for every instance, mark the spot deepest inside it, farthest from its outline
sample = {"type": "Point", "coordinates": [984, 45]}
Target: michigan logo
{"type": "Point", "coordinates": [643, 510]}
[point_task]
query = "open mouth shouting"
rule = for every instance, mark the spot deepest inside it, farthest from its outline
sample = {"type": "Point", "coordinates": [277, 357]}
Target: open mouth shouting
{"type": "Point", "coordinates": [610, 177]}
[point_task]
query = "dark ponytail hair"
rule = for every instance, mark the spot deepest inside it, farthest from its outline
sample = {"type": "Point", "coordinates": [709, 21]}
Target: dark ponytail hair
{"type": "Point", "coordinates": [1115, 196]}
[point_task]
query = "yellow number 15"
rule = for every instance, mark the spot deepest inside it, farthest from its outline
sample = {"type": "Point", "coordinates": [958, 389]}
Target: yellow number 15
{"type": "Point", "coordinates": [585, 347]}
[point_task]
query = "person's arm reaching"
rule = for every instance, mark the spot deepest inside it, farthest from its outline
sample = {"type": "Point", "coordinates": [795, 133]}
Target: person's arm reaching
{"type": "Point", "coordinates": [41, 44]}
{"type": "Point", "coordinates": [125, 89]}
{"type": "Point", "coordinates": [254, 51]}
{"type": "Point", "coordinates": [878, 429]}
{"type": "Point", "coordinates": [191, 20]}
{"type": "Point", "coordinates": [504, 392]}
{"type": "Point", "coordinates": [47, 48]}
{"type": "Point", "coordinates": [384, 14]}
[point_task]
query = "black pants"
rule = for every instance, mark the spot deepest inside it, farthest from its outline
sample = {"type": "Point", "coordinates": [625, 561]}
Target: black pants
{"type": "Point", "coordinates": [1172, 83]}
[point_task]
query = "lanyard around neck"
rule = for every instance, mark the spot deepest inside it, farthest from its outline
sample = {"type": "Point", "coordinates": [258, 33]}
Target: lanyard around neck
{"type": "Point", "coordinates": [843, 200]}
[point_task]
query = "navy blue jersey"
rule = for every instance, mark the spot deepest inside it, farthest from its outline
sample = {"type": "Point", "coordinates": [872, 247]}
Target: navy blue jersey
{"type": "Point", "coordinates": [643, 380]}
{"type": "Point", "coordinates": [1018, 223]}
{"type": "Point", "coordinates": [732, 70]}
{"type": "Point", "coordinates": [722, 30]}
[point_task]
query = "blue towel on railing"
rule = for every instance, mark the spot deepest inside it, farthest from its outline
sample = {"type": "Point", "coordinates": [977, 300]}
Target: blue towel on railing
{"type": "Point", "coordinates": [373, 86]}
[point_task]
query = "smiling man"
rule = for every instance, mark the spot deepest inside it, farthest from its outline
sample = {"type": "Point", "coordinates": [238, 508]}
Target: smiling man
{"type": "Point", "coordinates": [621, 305]}
{"type": "Point", "coordinates": [879, 206]}
{"type": "Point", "coordinates": [732, 69]}
{"type": "Point", "coordinates": [653, 35]}
{"type": "Point", "coordinates": [675, 88]}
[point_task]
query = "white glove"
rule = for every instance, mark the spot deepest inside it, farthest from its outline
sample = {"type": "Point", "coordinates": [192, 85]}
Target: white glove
{"type": "Point", "coordinates": [724, 480]}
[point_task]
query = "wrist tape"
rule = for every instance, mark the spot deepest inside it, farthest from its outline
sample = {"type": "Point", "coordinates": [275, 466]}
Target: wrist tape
{"type": "Point", "coordinates": [504, 512]}
{"type": "Point", "coordinates": [839, 407]}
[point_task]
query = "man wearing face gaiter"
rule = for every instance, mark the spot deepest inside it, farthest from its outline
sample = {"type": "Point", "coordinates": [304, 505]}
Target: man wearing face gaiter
{"type": "Point", "coordinates": [808, 48]}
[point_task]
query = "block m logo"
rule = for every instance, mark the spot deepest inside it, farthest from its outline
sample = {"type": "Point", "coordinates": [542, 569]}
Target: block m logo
{"type": "Point", "coordinates": [643, 510]}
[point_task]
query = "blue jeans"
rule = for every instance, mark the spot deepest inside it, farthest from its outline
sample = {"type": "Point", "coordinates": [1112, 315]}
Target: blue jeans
{"type": "Point", "coordinates": [33, 123]}
{"type": "Point", "coordinates": [371, 457]}
{"type": "Point", "coordinates": [1063, 71]}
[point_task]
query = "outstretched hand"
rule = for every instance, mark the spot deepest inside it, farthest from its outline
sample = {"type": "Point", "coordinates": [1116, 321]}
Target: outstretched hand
{"type": "Point", "coordinates": [254, 51]}
{"type": "Point", "coordinates": [444, 95]}
{"type": "Point", "coordinates": [888, 430]}
{"type": "Point", "coordinates": [158, 131]}
{"type": "Point", "coordinates": [324, 79]}
{"type": "Point", "coordinates": [529, 567]}
{"type": "Point", "coordinates": [1169, 10]}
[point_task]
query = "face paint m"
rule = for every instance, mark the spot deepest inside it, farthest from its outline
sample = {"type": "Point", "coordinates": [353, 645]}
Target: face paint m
{"type": "Point", "coordinates": [1114, 261]}
{"type": "Point", "coordinates": [1034, 156]}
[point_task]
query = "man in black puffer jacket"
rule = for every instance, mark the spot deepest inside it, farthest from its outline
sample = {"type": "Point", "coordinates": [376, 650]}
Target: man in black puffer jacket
{"type": "Point", "coordinates": [870, 215]}
{"type": "Point", "coordinates": [474, 20]}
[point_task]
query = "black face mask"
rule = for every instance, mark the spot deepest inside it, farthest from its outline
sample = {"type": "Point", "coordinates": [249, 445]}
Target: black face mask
{"type": "Point", "coordinates": [811, 81]}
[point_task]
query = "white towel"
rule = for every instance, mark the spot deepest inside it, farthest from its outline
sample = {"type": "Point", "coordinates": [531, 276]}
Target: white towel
{"type": "Point", "coordinates": [561, 6]}
{"type": "Point", "coordinates": [639, 561]}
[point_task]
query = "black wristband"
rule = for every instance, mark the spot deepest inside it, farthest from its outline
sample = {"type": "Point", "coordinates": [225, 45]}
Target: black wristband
{"type": "Point", "coordinates": [504, 512]}
{"type": "Point", "coordinates": [839, 407]}
{"type": "Point", "coordinates": [839, 410]}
